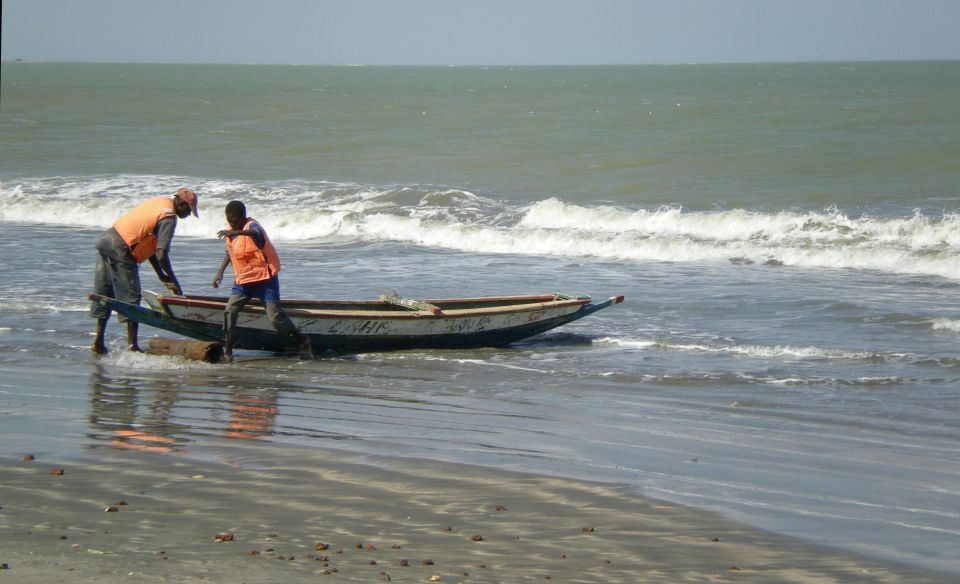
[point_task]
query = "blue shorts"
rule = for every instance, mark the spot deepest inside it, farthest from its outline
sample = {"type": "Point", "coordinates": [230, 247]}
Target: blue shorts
{"type": "Point", "coordinates": [265, 290]}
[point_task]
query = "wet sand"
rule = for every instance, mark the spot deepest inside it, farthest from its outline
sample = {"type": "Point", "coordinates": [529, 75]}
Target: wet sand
{"type": "Point", "coordinates": [263, 514]}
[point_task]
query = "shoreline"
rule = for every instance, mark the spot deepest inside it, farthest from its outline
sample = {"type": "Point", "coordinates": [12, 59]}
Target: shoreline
{"type": "Point", "coordinates": [262, 514]}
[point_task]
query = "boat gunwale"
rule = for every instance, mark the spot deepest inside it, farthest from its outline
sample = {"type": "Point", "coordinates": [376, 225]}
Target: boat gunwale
{"type": "Point", "coordinates": [547, 302]}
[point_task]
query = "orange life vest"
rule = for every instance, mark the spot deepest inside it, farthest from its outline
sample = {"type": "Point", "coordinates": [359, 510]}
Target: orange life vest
{"type": "Point", "coordinates": [250, 263]}
{"type": "Point", "coordinates": [138, 226]}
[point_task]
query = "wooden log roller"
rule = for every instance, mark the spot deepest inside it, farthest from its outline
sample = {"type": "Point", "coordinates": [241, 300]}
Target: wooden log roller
{"type": "Point", "coordinates": [210, 352]}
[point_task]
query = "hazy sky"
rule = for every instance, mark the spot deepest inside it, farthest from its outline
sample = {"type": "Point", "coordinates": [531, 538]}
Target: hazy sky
{"type": "Point", "coordinates": [479, 32]}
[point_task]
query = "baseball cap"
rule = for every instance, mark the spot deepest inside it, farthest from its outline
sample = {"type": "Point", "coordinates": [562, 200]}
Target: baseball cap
{"type": "Point", "coordinates": [189, 197]}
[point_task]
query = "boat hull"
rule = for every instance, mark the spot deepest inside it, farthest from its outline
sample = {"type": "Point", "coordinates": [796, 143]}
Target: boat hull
{"type": "Point", "coordinates": [368, 325]}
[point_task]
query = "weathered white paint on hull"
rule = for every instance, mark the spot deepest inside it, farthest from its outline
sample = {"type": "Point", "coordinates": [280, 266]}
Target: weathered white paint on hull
{"type": "Point", "coordinates": [382, 325]}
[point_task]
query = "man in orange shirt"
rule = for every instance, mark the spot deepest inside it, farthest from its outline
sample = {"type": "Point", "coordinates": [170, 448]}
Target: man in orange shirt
{"type": "Point", "coordinates": [143, 233]}
{"type": "Point", "coordinates": [255, 265]}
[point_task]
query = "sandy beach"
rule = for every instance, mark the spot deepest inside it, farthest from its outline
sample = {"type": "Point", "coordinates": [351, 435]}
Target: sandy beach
{"type": "Point", "coordinates": [262, 514]}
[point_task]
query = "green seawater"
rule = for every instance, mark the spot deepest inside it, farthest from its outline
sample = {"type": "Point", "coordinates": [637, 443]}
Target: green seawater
{"type": "Point", "coordinates": [875, 136]}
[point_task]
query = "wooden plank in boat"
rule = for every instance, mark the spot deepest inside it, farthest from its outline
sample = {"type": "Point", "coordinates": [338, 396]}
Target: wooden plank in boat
{"type": "Point", "coordinates": [411, 304]}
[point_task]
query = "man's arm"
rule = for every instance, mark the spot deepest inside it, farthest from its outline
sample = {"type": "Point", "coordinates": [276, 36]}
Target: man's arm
{"type": "Point", "coordinates": [161, 259]}
{"type": "Point", "coordinates": [223, 233]}
{"type": "Point", "coordinates": [255, 232]}
{"type": "Point", "coordinates": [161, 265]}
{"type": "Point", "coordinates": [223, 266]}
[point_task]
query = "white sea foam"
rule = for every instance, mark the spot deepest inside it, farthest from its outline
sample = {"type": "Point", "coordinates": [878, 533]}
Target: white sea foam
{"type": "Point", "coordinates": [626, 343]}
{"type": "Point", "coordinates": [39, 306]}
{"type": "Point", "coordinates": [776, 351]}
{"type": "Point", "coordinates": [946, 324]}
{"type": "Point", "coordinates": [756, 351]}
{"type": "Point", "coordinates": [143, 361]}
{"type": "Point", "coordinates": [459, 220]}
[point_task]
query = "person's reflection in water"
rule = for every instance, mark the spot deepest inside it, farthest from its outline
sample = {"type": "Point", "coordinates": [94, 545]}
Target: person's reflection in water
{"type": "Point", "coordinates": [252, 415]}
{"type": "Point", "coordinates": [118, 417]}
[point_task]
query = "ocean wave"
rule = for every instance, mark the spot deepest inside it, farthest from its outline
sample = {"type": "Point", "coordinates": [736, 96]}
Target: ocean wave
{"type": "Point", "coordinates": [454, 219]}
{"type": "Point", "coordinates": [784, 353]}
{"type": "Point", "coordinates": [700, 379]}
{"type": "Point", "coordinates": [39, 307]}
{"type": "Point", "coordinates": [784, 227]}
{"type": "Point", "coordinates": [756, 351]}
{"type": "Point", "coordinates": [864, 382]}
{"type": "Point", "coordinates": [946, 324]}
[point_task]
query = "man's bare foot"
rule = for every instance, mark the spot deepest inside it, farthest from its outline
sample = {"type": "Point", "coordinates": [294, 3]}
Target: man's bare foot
{"type": "Point", "coordinates": [135, 349]}
{"type": "Point", "coordinates": [99, 349]}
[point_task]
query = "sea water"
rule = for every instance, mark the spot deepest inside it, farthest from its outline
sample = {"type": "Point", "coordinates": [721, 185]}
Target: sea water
{"type": "Point", "coordinates": [787, 237]}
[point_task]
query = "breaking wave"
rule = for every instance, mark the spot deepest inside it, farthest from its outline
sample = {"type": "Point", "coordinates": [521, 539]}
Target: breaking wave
{"type": "Point", "coordinates": [756, 351]}
{"type": "Point", "coordinates": [463, 221]}
{"type": "Point", "coordinates": [780, 352]}
{"type": "Point", "coordinates": [946, 324]}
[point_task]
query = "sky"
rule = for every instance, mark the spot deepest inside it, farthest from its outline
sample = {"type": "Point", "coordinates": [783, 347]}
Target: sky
{"type": "Point", "coordinates": [479, 32]}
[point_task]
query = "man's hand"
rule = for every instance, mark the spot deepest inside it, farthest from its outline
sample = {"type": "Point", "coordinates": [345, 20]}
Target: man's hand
{"type": "Point", "coordinates": [173, 287]}
{"type": "Point", "coordinates": [216, 281]}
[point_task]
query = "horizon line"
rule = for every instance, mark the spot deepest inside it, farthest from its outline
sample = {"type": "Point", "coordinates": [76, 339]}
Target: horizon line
{"type": "Point", "coordinates": [477, 65]}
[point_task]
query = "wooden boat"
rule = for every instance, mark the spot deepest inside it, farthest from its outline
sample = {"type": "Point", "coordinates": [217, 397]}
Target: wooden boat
{"type": "Point", "coordinates": [388, 323]}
